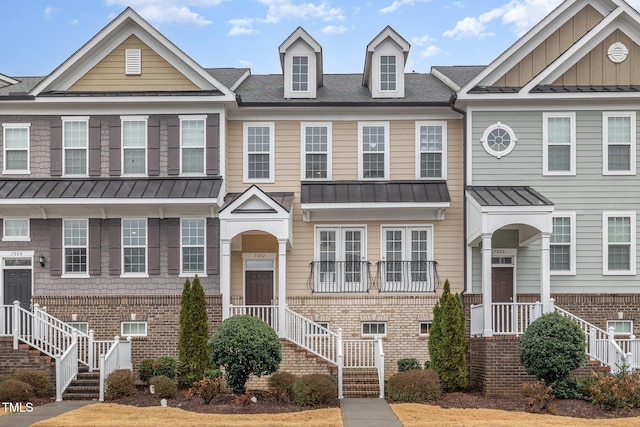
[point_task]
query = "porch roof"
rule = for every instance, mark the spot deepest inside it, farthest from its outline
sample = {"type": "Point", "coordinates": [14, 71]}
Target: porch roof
{"type": "Point", "coordinates": [375, 192]}
{"type": "Point", "coordinates": [507, 196]}
{"type": "Point", "coordinates": [284, 199]}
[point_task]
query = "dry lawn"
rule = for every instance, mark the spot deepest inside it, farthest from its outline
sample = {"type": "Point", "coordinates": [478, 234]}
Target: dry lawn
{"type": "Point", "coordinates": [113, 415]}
{"type": "Point", "coordinates": [416, 415]}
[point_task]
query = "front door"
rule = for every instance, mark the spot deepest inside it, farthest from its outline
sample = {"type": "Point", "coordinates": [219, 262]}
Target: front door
{"type": "Point", "coordinates": [502, 292]}
{"type": "Point", "coordinates": [17, 287]}
{"type": "Point", "coordinates": [259, 292]}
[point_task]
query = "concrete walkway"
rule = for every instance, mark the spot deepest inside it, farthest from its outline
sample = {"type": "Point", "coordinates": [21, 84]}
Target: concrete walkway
{"type": "Point", "coordinates": [40, 413]}
{"type": "Point", "coordinates": [371, 412]}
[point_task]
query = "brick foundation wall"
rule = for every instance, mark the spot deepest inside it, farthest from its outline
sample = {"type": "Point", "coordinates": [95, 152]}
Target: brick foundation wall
{"type": "Point", "coordinates": [11, 360]}
{"type": "Point", "coordinates": [105, 314]}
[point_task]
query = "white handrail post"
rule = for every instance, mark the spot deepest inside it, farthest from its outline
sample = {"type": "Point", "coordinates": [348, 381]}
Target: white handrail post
{"type": "Point", "coordinates": [90, 351]}
{"type": "Point", "coordinates": [58, 378]}
{"type": "Point", "coordinates": [36, 321]}
{"type": "Point", "coordinates": [380, 363]}
{"type": "Point", "coordinates": [611, 355]}
{"type": "Point", "coordinates": [116, 341]}
{"type": "Point", "coordinates": [16, 323]}
{"type": "Point", "coordinates": [101, 398]}
{"type": "Point", "coordinates": [340, 349]}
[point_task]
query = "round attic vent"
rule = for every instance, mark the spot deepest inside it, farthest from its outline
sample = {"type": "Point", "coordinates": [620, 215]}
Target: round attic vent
{"type": "Point", "coordinates": [617, 52]}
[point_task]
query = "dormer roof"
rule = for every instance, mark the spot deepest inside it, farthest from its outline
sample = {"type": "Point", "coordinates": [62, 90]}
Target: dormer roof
{"type": "Point", "coordinates": [387, 34]}
{"type": "Point", "coordinates": [301, 35]}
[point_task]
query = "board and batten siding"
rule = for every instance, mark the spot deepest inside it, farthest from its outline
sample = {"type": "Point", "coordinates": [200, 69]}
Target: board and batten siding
{"type": "Point", "coordinates": [109, 73]}
{"type": "Point", "coordinates": [447, 235]}
{"type": "Point", "coordinates": [589, 193]}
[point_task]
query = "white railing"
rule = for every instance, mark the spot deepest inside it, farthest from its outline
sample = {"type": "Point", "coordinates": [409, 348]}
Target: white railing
{"type": "Point", "coordinates": [379, 354]}
{"type": "Point", "coordinates": [509, 318]}
{"type": "Point", "coordinates": [631, 347]}
{"type": "Point", "coordinates": [118, 357]}
{"type": "Point", "coordinates": [359, 353]}
{"type": "Point", "coordinates": [268, 313]}
{"type": "Point", "coordinates": [477, 320]}
{"type": "Point", "coordinates": [314, 338]}
{"type": "Point", "coordinates": [66, 368]}
{"type": "Point", "coordinates": [6, 316]}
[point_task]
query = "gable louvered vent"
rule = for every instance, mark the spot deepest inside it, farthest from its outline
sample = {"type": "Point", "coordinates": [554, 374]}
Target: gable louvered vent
{"type": "Point", "coordinates": [133, 62]}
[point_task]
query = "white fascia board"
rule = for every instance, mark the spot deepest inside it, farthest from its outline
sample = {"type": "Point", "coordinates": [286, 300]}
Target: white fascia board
{"type": "Point", "coordinates": [517, 210]}
{"type": "Point", "coordinates": [444, 79]}
{"type": "Point", "coordinates": [185, 107]}
{"type": "Point", "coordinates": [8, 80]}
{"type": "Point", "coordinates": [372, 205]}
{"type": "Point", "coordinates": [551, 97]}
{"type": "Point", "coordinates": [98, 202]}
{"type": "Point", "coordinates": [253, 191]}
{"type": "Point", "coordinates": [347, 113]}
{"type": "Point", "coordinates": [134, 99]}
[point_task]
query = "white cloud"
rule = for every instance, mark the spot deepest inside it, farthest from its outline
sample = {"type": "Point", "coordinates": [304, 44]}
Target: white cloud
{"type": "Point", "coordinates": [420, 41]}
{"type": "Point", "coordinates": [279, 10]}
{"type": "Point", "coordinates": [396, 5]}
{"type": "Point", "coordinates": [169, 11]}
{"type": "Point", "coordinates": [430, 51]}
{"type": "Point", "coordinates": [50, 10]}
{"type": "Point", "coordinates": [458, 4]}
{"type": "Point", "coordinates": [334, 29]}
{"type": "Point", "coordinates": [74, 22]}
{"type": "Point", "coordinates": [241, 27]}
{"type": "Point", "coordinates": [520, 15]}
{"type": "Point", "coordinates": [245, 64]}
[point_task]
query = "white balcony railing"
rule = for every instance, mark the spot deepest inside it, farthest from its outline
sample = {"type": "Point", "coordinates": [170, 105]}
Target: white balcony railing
{"type": "Point", "coordinates": [118, 357]}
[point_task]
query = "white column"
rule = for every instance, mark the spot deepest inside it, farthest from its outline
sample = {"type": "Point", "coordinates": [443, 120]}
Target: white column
{"type": "Point", "coordinates": [225, 276]}
{"type": "Point", "coordinates": [282, 286]}
{"type": "Point", "coordinates": [487, 298]}
{"type": "Point", "coordinates": [545, 273]}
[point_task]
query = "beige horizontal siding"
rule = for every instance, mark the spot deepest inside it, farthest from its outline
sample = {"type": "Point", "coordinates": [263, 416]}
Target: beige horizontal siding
{"type": "Point", "coordinates": [109, 74]}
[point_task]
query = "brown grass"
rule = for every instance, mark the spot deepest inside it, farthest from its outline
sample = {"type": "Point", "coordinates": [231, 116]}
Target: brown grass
{"type": "Point", "coordinates": [112, 415]}
{"type": "Point", "coordinates": [417, 415]}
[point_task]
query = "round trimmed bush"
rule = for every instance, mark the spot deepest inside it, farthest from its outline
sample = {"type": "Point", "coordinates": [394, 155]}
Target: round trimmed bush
{"type": "Point", "coordinates": [408, 364]}
{"type": "Point", "coordinates": [15, 391]}
{"type": "Point", "coordinates": [119, 383]}
{"type": "Point", "coordinates": [244, 346]}
{"type": "Point", "coordinates": [281, 383]}
{"type": "Point", "coordinates": [552, 347]}
{"type": "Point", "coordinates": [38, 379]}
{"type": "Point", "coordinates": [165, 387]}
{"type": "Point", "coordinates": [314, 389]}
{"type": "Point", "coordinates": [164, 365]}
{"type": "Point", "coordinates": [414, 386]}
{"type": "Point", "coordinates": [146, 370]}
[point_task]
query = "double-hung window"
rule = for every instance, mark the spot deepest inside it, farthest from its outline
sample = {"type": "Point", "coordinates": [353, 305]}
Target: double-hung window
{"type": "Point", "coordinates": [259, 152]}
{"type": "Point", "coordinates": [407, 264]}
{"type": "Point", "coordinates": [192, 145]}
{"type": "Point", "coordinates": [431, 150]}
{"type": "Point", "coordinates": [15, 229]}
{"type": "Point", "coordinates": [192, 240]}
{"type": "Point", "coordinates": [316, 150]}
{"type": "Point", "coordinates": [134, 246]}
{"type": "Point", "coordinates": [134, 145]}
{"type": "Point", "coordinates": [75, 143]}
{"type": "Point", "coordinates": [340, 265]}
{"type": "Point", "coordinates": [619, 147]}
{"type": "Point", "coordinates": [563, 244]}
{"type": "Point", "coordinates": [300, 77]}
{"type": "Point", "coordinates": [16, 148]}
{"type": "Point", "coordinates": [373, 150]}
{"type": "Point", "coordinates": [75, 241]}
{"type": "Point", "coordinates": [619, 243]}
{"type": "Point", "coordinates": [559, 141]}
{"type": "Point", "coordinates": [387, 73]}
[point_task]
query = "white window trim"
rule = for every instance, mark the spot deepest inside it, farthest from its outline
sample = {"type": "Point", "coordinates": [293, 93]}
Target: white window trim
{"type": "Point", "coordinates": [420, 334]}
{"type": "Point", "coordinates": [386, 328]}
{"type": "Point", "coordinates": [64, 161]}
{"type": "Point", "coordinates": [72, 275]}
{"type": "Point", "coordinates": [605, 142]}
{"type": "Point", "coordinates": [546, 145]}
{"type": "Point", "coordinates": [144, 274]}
{"type": "Point", "coordinates": [630, 321]}
{"type": "Point", "coordinates": [303, 150]}
{"type": "Point", "coordinates": [142, 322]}
{"type": "Point", "coordinates": [204, 145]}
{"type": "Point", "coordinates": [204, 245]}
{"type": "Point", "coordinates": [144, 119]}
{"type": "Point", "coordinates": [340, 229]}
{"type": "Point", "coordinates": [407, 246]}
{"type": "Point", "coordinates": [308, 73]}
{"type": "Point", "coordinates": [361, 126]}
{"type": "Point", "coordinates": [491, 151]}
{"type": "Point", "coordinates": [76, 322]}
{"type": "Point", "coordinates": [572, 245]}
{"type": "Point", "coordinates": [398, 61]}
{"type": "Point", "coordinates": [6, 126]}
{"type": "Point", "coordinates": [443, 125]}
{"type": "Point", "coordinates": [26, 238]}
{"type": "Point", "coordinates": [245, 152]}
{"type": "Point", "coordinates": [605, 243]}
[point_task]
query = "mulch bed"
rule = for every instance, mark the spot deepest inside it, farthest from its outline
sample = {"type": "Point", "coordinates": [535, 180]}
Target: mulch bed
{"type": "Point", "coordinates": [267, 403]}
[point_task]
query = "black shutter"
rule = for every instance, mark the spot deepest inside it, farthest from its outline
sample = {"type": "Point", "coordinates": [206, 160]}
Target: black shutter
{"type": "Point", "coordinates": [213, 144]}
{"type": "Point", "coordinates": [114, 246]}
{"type": "Point", "coordinates": [115, 162]}
{"type": "Point", "coordinates": [94, 147]}
{"type": "Point", "coordinates": [55, 146]}
{"type": "Point", "coordinates": [213, 245]}
{"type": "Point", "coordinates": [153, 147]}
{"type": "Point", "coordinates": [55, 243]}
{"type": "Point", "coordinates": [173, 234]}
{"type": "Point", "coordinates": [153, 266]}
{"type": "Point", "coordinates": [95, 247]}
{"type": "Point", "coordinates": [173, 131]}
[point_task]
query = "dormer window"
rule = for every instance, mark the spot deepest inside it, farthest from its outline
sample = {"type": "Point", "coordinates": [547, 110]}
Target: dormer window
{"type": "Point", "coordinates": [300, 78]}
{"type": "Point", "coordinates": [387, 73]}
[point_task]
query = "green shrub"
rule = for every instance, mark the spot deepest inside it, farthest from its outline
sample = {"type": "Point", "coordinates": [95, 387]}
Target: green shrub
{"type": "Point", "coordinates": [15, 391]}
{"type": "Point", "coordinates": [164, 386]}
{"type": "Point", "coordinates": [207, 389]}
{"type": "Point", "coordinates": [447, 342]}
{"type": "Point", "coordinates": [537, 395]}
{"type": "Point", "coordinates": [119, 383]}
{"type": "Point", "coordinates": [566, 388]}
{"type": "Point", "coordinates": [281, 383]}
{"type": "Point", "coordinates": [38, 379]}
{"type": "Point", "coordinates": [244, 346]}
{"type": "Point", "coordinates": [314, 389]}
{"type": "Point", "coordinates": [212, 374]}
{"type": "Point", "coordinates": [146, 370]}
{"type": "Point", "coordinates": [618, 391]}
{"type": "Point", "coordinates": [583, 389]}
{"type": "Point", "coordinates": [552, 347]}
{"type": "Point", "coordinates": [408, 364]}
{"type": "Point", "coordinates": [414, 386]}
{"type": "Point", "coordinates": [427, 364]}
{"type": "Point", "coordinates": [164, 365]}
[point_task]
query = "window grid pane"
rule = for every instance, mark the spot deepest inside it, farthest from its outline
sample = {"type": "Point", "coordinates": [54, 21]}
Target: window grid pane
{"type": "Point", "coordinates": [134, 241]}
{"type": "Point", "coordinates": [373, 148]}
{"type": "Point", "coordinates": [316, 147]}
{"type": "Point", "coordinates": [619, 143]}
{"type": "Point", "coordinates": [387, 73]}
{"type": "Point", "coordinates": [16, 146]}
{"type": "Point", "coordinates": [193, 245]}
{"type": "Point", "coordinates": [193, 146]}
{"type": "Point", "coordinates": [431, 145]}
{"type": "Point", "coordinates": [134, 146]}
{"type": "Point", "coordinates": [16, 227]}
{"type": "Point", "coordinates": [75, 147]}
{"type": "Point", "coordinates": [619, 239]}
{"type": "Point", "coordinates": [258, 149]}
{"type": "Point", "coordinates": [75, 243]}
{"type": "Point", "coordinates": [300, 75]}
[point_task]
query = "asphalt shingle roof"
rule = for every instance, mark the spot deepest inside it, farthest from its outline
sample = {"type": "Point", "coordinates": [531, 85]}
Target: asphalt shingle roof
{"type": "Point", "coordinates": [460, 74]}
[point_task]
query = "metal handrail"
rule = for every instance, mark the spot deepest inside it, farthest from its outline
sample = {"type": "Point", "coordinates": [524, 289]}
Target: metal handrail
{"type": "Point", "coordinates": [407, 276]}
{"type": "Point", "coordinates": [340, 277]}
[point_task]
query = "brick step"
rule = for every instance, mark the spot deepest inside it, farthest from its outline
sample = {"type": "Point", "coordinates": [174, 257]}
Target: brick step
{"type": "Point", "coordinates": [87, 382]}
{"type": "Point", "coordinates": [82, 389]}
{"type": "Point", "coordinates": [80, 396]}
{"type": "Point", "coordinates": [358, 393]}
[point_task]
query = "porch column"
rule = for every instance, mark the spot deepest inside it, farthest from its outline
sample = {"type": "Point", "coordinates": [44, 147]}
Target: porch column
{"type": "Point", "coordinates": [545, 273]}
{"type": "Point", "coordinates": [487, 298]}
{"type": "Point", "coordinates": [225, 276]}
{"type": "Point", "coordinates": [282, 286]}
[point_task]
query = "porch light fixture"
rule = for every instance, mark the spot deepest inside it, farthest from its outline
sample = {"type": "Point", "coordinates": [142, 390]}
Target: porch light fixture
{"type": "Point", "coordinates": [42, 260]}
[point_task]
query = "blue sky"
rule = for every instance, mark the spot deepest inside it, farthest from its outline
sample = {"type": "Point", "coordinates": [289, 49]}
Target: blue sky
{"type": "Point", "coordinates": [38, 35]}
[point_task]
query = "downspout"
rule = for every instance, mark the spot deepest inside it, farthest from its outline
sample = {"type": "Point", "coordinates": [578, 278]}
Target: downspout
{"type": "Point", "coordinates": [452, 104]}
